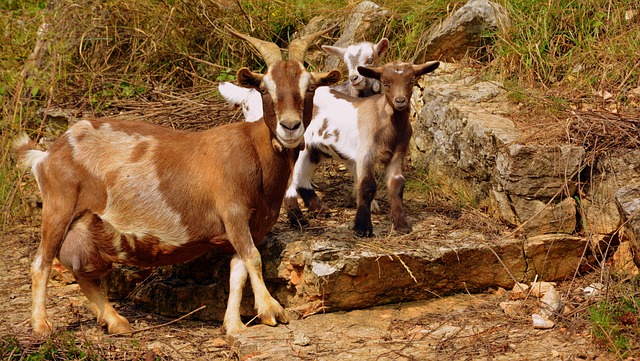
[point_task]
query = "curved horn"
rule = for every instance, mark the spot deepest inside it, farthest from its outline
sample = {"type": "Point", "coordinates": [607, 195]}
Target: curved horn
{"type": "Point", "coordinates": [270, 52]}
{"type": "Point", "coordinates": [298, 47]}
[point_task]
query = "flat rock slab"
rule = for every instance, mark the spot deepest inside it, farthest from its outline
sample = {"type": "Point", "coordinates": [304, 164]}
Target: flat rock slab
{"type": "Point", "coordinates": [325, 268]}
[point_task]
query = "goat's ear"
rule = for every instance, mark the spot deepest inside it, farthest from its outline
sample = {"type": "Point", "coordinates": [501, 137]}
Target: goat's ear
{"type": "Point", "coordinates": [425, 68]}
{"type": "Point", "coordinates": [382, 46]}
{"type": "Point", "coordinates": [248, 79]}
{"type": "Point", "coordinates": [370, 72]}
{"type": "Point", "coordinates": [330, 78]}
{"type": "Point", "coordinates": [334, 50]}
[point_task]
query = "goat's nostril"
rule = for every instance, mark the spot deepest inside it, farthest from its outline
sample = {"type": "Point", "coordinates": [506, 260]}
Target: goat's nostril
{"type": "Point", "coordinates": [354, 77]}
{"type": "Point", "coordinates": [292, 127]}
{"type": "Point", "coordinates": [401, 100]}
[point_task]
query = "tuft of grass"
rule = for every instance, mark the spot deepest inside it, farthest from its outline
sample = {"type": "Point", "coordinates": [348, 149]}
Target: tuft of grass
{"type": "Point", "coordinates": [615, 320]}
{"type": "Point", "coordinates": [579, 46]}
{"type": "Point", "coordinates": [64, 346]}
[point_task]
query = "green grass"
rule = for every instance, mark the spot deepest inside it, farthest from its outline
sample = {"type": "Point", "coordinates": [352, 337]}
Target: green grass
{"type": "Point", "coordinates": [580, 46]}
{"type": "Point", "coordinates": [615, 321]}
{"type": "Point", "coordinates": [65, 346]}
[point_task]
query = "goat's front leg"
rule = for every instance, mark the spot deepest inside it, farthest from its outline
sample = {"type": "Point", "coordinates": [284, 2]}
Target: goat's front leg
{"type": "Point", "coordinates": [237, 279]}
{"type": "Point", "coordinates": [268, 309]}
{"type": "Point", "coordinates": [366, 191]}
{"type": "Point", "coordinates": [395, 184]}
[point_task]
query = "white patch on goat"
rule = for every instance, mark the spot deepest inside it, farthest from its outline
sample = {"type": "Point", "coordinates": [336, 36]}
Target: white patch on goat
{"type": "Point", "coordinates": [35, 157]}
{"type": "Point", "coordinates": [37, 262]}
{"type": "Point", "coordinates": [135, 191]}
{"type": "Point", "coordinates": [335, 116]}
{"type": "Point", "coordinates": [305, 79]}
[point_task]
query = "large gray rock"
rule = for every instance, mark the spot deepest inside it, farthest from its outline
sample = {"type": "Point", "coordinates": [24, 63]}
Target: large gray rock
{"type": "Point", "coordinates": [611, 171]}
{"type": "Point", "coordinates": [628, 201]}
{"type": "Point", "coordinates": [463, 31]}
{"type": "Point", "coordinates": [472, 150]}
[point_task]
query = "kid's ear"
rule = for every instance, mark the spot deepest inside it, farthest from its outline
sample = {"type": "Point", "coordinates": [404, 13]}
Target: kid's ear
{"type": "Point", "coordinates": [334, 50]}
{"type": "Point", "coordinates": [382, 46]}
{"type": "Point", "coordinates": [370, 72]}
{"type": "Point", "coordinates": [425, 68]}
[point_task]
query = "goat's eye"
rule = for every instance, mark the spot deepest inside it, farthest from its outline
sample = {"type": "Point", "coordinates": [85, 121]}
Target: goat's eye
{"type": "Point", "coordinates": [312, 87]}
{"type": "Point", "coordinates": [262, 90]}
{"type": "Point", "coordinates": [370, 61]}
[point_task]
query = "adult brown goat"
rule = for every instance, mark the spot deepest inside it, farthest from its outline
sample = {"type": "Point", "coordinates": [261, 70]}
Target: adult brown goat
{"type": "Point", "coordinates": [136, 193]}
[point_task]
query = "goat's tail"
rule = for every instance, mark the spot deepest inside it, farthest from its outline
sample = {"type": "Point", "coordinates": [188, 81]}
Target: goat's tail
{"type": "Point", "coordinates": [232, 93]}
{"type": "Point", "coordinates": [27, 151]}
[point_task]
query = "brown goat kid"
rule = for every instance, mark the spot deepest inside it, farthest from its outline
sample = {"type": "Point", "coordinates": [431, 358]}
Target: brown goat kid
{"type": "Point", "coordinates": [141, 194]}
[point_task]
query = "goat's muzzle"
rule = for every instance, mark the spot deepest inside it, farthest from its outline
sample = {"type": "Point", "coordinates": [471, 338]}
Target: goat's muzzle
{"type": "Point", "coordinates": [290, 132]}
{"type": "Point", "coordinates": [400, 103]}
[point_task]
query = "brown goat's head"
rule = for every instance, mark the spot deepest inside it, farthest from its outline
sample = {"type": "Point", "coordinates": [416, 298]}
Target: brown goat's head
{"type": "Point", "coordinates": [398, 80]}
{"type": "Point", "coordinates": [287, 88]}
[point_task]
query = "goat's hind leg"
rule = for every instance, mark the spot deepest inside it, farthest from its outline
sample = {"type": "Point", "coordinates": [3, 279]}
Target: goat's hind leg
{"type": "Point", "coordinates": [55, 223]}
{"type": "Point", "coordinates": [300, 184]}
{"type": "Point", "coordinates": [395, 184]}
{"type": "Point", "coordinates": [80, 254]}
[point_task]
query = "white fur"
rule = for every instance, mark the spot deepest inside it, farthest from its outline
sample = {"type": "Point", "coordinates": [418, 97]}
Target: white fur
{"type": "Point", "coordinates": [334, 114]}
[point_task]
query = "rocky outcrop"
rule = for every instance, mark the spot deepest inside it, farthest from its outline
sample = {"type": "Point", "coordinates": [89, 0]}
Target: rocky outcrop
{"type": "Point", "coordinates": [463, 31]}
{"type": "Point", "coordinates": [469, 146]}
{"type": "Point", "coordinates": [474, 151]}
{"type": "Point", "coordinates": [628, 201]}
{"type": "Point", "coordinates": [316, 274]}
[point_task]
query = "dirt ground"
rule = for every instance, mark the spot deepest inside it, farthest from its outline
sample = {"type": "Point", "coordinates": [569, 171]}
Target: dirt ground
{"type": "Point", "coordinates": [460, 327]}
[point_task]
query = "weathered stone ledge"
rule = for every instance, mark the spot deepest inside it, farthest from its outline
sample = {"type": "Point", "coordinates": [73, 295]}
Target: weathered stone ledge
{"type": "Point", "coordinates": [316, 274]}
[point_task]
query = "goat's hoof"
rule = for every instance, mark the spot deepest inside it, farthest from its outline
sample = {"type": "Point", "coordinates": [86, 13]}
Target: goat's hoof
{"type": "Point", "coordinates": [403, 228]}
{"type": "Point", "coordinates": [42, 327]}
{"type": "Point", "coordinates": [274, 315]}
{"type": "Point", "coordinates": [121, 326]}
{"type": "Point", "coordinates": [232, 328]}
{"type": "Point", "coordinates": [363, 232]}
{"type": "Point", "coordinates": [273, 320]}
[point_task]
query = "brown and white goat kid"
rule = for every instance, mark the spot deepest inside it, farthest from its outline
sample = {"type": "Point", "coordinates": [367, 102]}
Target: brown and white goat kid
{"type": "Point", "coordinates": [360, 132]}
{"type": "Point", "coordinates": [141, 194]}
{"type": "Point", "coordinates": [361, 54]}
